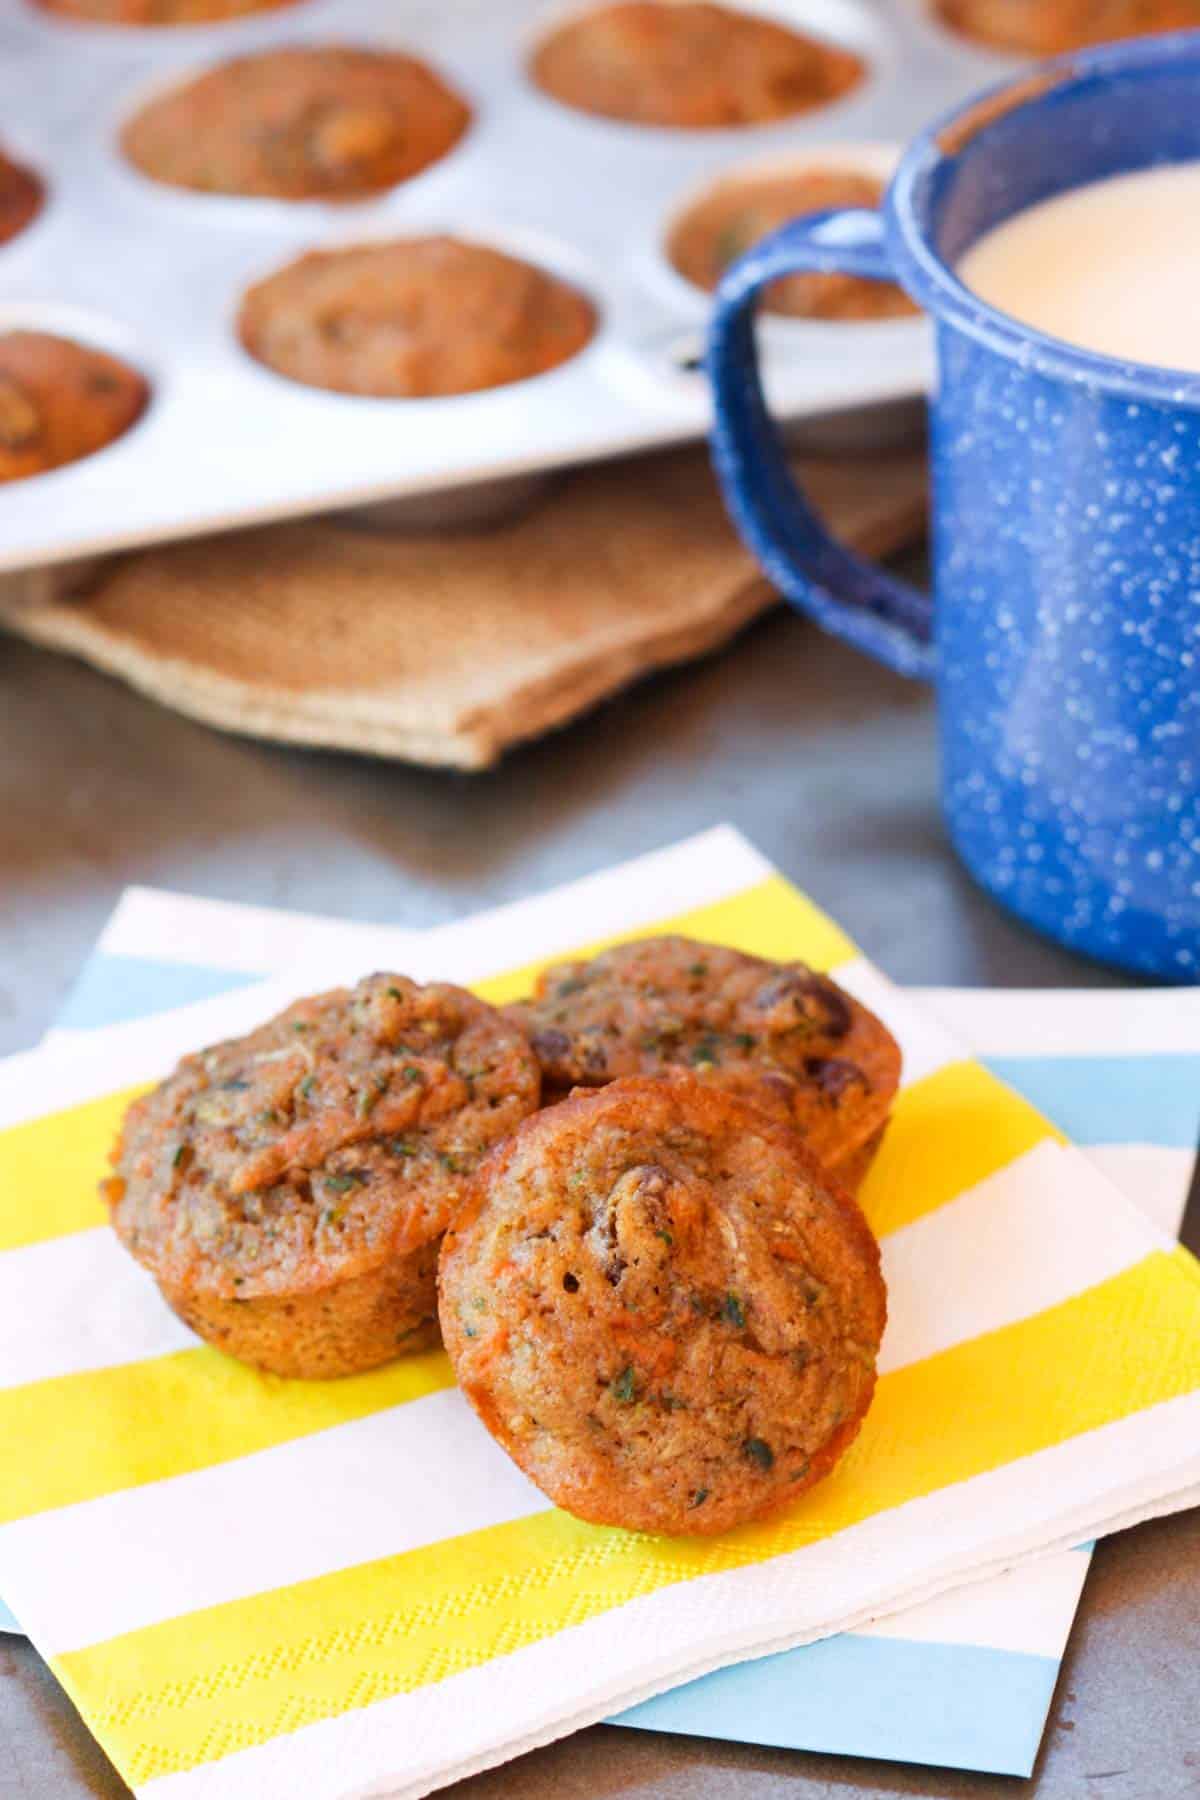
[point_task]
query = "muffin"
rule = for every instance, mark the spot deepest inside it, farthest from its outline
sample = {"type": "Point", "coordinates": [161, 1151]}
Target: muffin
{"type": "Point", "coordinates": [158, 12]}
{"type": "Point", "coordinates": [1046, 27]}
{"type": "Point", "coordinates": [21, 197]}
{"type": "Point", "coordinates": [413, 317]}
{"type": "Point", "coordinates": [661, 1308]}
{"type": "Point", "coordinates": [289, 1190]}
{"type": "Point", "coordinates": [299, 124]}
{"type": "Point", "coordinates": [689, 65]}
{"type": "Point", "coordinates": [788, 1040]}
{"type": "Point", "coordinates": [60, 401]}
{"type": "Point", "coordinates": [732, 218]}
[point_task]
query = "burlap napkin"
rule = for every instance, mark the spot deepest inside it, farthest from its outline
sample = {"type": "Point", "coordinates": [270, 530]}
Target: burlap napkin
{"type": "Point", "coordinates": [446, 649]}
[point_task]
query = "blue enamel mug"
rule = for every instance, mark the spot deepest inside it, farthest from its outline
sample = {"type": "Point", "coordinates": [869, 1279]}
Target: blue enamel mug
{"type": "Point", "coordinates": [1064, 631]}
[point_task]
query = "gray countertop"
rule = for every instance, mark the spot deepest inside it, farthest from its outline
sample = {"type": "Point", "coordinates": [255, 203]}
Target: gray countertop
{"type": "Point", "coordinates": [829, 766]}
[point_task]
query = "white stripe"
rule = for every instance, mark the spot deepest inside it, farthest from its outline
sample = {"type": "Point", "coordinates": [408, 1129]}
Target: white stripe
{"type": "Point", "coordinates": [1155, 1177]}
{"type": "Point", "coordinates": [413, 1742]}
{"type": "Point", "coordinates": [1029, 1610]}
{"type": "Point", "coordinates": [260, 940]}
{"type": "Point", "coordinates": [1070, 1021]}
{"type": "Point", "coordinates": [223, 934]}
{"type": "Point", "coordinates": [376, 1487]}
{"type": "Point", "coordinates": [1019, 1242]}
{"type": "Point", "coordinates": [79, 1302]}
{"type": "Point", "coordinates": [64, 1073]}
{"type": "Point", "coordinates": [697, 872]}
{"type": "Point", "coordinates": [1030, 1236]}
{"type": "Point", "coordinates": [925, 1044]}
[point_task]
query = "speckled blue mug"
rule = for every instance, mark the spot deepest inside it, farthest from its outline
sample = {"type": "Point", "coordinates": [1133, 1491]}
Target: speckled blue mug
{"type": "Point", "coordinates": [1064, 634]}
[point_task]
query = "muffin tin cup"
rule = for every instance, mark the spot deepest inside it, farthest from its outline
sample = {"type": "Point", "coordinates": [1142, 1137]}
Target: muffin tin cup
{"type": "Point", "coordinates": [256, 212]}
{"type": "Point", "coordinates": [846, 24]}
{"type": "Point", "coordinates": [159, 273]}
{"type": "Point", "coordinates": [782, 336]}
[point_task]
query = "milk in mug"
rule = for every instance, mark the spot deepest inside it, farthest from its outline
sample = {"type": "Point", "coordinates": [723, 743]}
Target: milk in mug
{"type": "Point", "coordinates": [1113, 266]}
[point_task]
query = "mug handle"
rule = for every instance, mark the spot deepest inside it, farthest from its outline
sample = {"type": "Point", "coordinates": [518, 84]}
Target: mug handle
{"type": "Point", "coordinates": [842, 593]}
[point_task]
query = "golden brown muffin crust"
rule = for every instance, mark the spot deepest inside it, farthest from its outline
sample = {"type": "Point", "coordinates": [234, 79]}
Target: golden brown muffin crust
{"type": "Point", "coordinates": [1046, 27]}
{"type": "Point", "coordinates": [158, 12]}
{"type": "Point", "coordinates": [787, 1038]}
{"type": "Point", "coordinates": [661, 1308]}
{"type": "Point", "coordinates": [21, 197]}
{"type": "Point", "coordinates": [689, 65]}
{"type": "Point", "coordinates": [320, 122]}
{"type": "Point", "coordinates": [414, 317]}
{"type": "Point", "coordinates": [329, 1147]}
{"type": "Point", "coordinates": [730, 220]}
{"type": "Point", "coordinates": [60, 401]}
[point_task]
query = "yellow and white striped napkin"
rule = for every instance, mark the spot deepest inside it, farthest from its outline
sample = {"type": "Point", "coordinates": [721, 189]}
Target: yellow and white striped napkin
{"type": "Point", "coordinates": [252, 1587]}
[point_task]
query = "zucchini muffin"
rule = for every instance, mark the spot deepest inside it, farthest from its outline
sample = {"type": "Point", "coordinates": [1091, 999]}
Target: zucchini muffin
{"type": "Point", "coordinates": [1046, 27]}
{"type": "Point", "coordinates": [60, 401]}
{"type": "Point", "coordinates": [21, 197]}
{"type": "Point", "coordinates": [158, 12]}
{"type": "Point", "coordinates": [413, 317]}
{"type": "Point", "coordinates": [738, 214]}
{"type": "Point", "coordinates": [289, 1190]}
{"type": "Point", "coordinates": [780, 1035]}
{"type": "Point", "coordinates": [689, 65]}
{"type": "Point", "coordinates": [661, 1308]}
{"type": "Point", "coordinates": [308, 123]}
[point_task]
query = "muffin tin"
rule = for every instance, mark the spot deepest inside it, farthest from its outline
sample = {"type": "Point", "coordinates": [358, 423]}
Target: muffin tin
{"type": "Point", "coordinates": [157, 274]}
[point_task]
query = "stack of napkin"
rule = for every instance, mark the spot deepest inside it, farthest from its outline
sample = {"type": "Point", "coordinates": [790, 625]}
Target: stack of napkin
{"type": "Point", "coordinates": [249, 1585]}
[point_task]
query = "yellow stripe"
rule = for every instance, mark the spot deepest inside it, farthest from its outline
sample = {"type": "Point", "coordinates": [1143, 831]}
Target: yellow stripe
{"type": "Point", "coordinates": [197, 1688]}
{"type": "Point", "coordinates": [174, 1413]}
{"type": "Point", "coordinates": [89, 1434]}
{"type": "Point", "coordinates": [50, 1167]}
{"type": "Point", "coordinates": [947, 1132]}
{"type": "Point", "coordinates": [771, 919]}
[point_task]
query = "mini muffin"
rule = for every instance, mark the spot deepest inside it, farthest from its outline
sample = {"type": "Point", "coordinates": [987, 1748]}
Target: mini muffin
{"type": "Point", "coordinates": [789, 1040]}
{"type": "Point", "coordinates": [299, 124]}
{"type": "Point", "coordinates": [414, 317]}
{"type": "Point", "coordinates": [1046, 27]}
{"type": "Point", "coordinates": [661, 1308]}
{"type": "Point", "coordinates": [289, 1190]}
{"type": "Point", "coordinates": [689, 65]}
{"type": "Point", "coordinates": [21, 197]}
{"type": "Point", "coordinates": [735, 216]}
{"type": "Point", "coordinates": [158, 12]}
{"type": "Point", "coordinates": [60, 401]}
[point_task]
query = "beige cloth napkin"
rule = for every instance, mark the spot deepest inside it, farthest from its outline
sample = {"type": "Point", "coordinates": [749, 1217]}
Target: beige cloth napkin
{"type": "Point", "coordinates": [447, 649]}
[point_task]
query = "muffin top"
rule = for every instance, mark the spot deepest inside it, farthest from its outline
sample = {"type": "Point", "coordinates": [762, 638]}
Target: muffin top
{"type": "Point", "coordinates": [338, 1135]}
{"type": "Point", "coordinates": [1046, 27]}
{"type": "Point", "coordinates": [60, 401]}
{"type": "Point", "coordinates": [775, 1032]}
{"type": "Point", "coordinates": [660, 1309]}
{"type": "Point", "coordinates": [309, 123]}
{"type": "Point", "coordinates": [416, 316]}
{"type": "Point", "coordinates": [158, 12]}
{"type": "Point", "coordinates": [690, 65]}
{"type": "Point", "coordinates": [21, 197]}
{"type": "Point", "coordinates": [738, 214]}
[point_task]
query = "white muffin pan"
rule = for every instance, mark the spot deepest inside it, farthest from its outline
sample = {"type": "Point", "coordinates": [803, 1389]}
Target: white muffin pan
{"type": "Point", "coordinates": [156, 274]}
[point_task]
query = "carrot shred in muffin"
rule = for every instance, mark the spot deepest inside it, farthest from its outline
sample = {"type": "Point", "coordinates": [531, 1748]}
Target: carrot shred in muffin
{"type": "Point", "coordinates": [662, 1308]}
